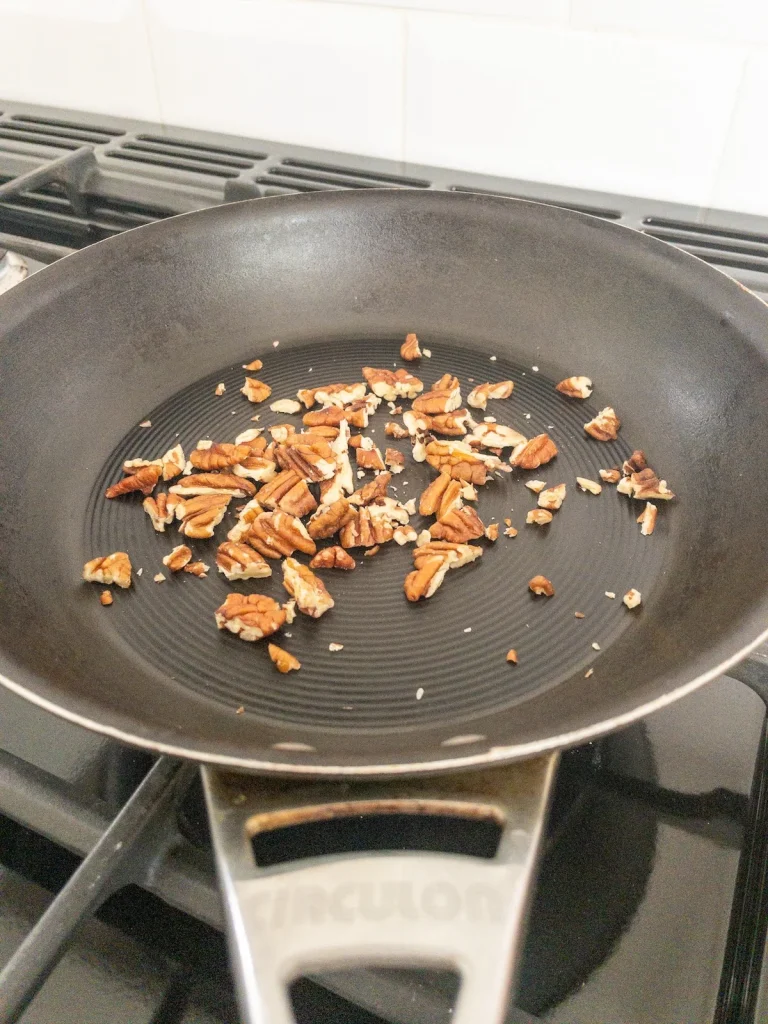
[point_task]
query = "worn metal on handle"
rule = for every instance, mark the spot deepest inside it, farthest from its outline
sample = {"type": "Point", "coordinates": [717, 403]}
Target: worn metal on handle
{"type": "Point", "coordinates": [395, 908]}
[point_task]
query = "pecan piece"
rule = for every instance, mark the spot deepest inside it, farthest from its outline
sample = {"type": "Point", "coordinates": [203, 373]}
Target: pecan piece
{"type": "Point", "coordinates": [289, 406]}
{"type": "Point", "coordinates": [202, 514]}
{"type": "Point", "coordinates": [458, 526]}
{"type": "Point", "coordinates": [610, 476]}
{"type": "Point", "coordinates": [605, 426]}
{"type": "Point", "coordinates": [368, 456]}
{"type": "Point", "coordinates": [539, 517]}
{"type": "Point", "coordinates": [492, 531]}
{"type": "Point", "coordinates": [636, 463]}
{"type": "Point", "coordinates": [632, 598]}
{"type": "Point", "coordinates": [105, 598]}
{"type": "Point", "coordinates": [441, 496]}
{"type": "Point", "coordinates": [214, 483]}
{"type": "Point", "coordinates": [404, 535]}
{"type": "Point", "coordinates": [289, 492]}
{"type": "Point", "coordinates": [144, 480]}
{"type": "Point", "coordinates": [253, 366]}
{"type": "Point", "coordinates": [283, 661]}
{"type": "Point", "coordinates": [588, 485]}
{"type": "Point", "coordinates": [391, 385]}
{"type": "Point", "coordinates": [372, 491]}
{"type": "Point", "coordinates": [479, 396]}
{"type": "Point", "coordinates": [160, 509]}
{"type": "Point", "coordinates": [355, 414]}
{"type": "Point", "coordinates": [552, 498]}
{"type": "Point", "coordinates": [260, 468]}
{"type": "Point", "coordinates": [197, 568]}
{"type": "Point", "coordinates": [534, 453]}
{"type": "Point", "coordinates": [395, 460]}
{"type": "Point", "coordinates": [395, 430]}
{"type": "Point", "coordinates": [308, 455]}
{"type": "Point", "coordinates": [250, 616]}
{"type": "Point", "coordinates": [647, 519]}
{"type": "Point", "coordinates": [537, 486]}
{"type": "Point", "coordinates": [245, 518]}
{"type": "Point", "coordinates": [432, 561]}
{"type": "Point", "coordinates": [177, 559]}
{"type": "Point", "coordinates": [219, 456]}
{"type": "Point", "coordinates": [645, 485]}
{"type": "Point", "coordinates": [343, 481]}
{"type": "Point", "coordinates": [241, 562]}
{"type": "Point", "coordinates": [329, 519]}
{"type": "Point", "coordinates": [461, 461]}
{"type": "Point", "coordinates": [332, 558]}
{"type": "Point", "coordinates": [445, 396]}
{"type": "Point", "coordinates": [541, 586]}
{"type": "Point", "coordinates": [339, 394]}
{"type": "Point", "coordinates": [173, 462]}
{"type": "Point", "coordinates": [512, 656]}
{"type": "Point", "coordinates": [575, 387]}
{"type": "Point", "coordinates": [310, 592]}
{"type": "Point", "coordinates": [114, 568]}
{"type": "Point", "coordinates": [495, 435]}
{"type": "Point", "coordinates": [449, 424]}
{"type": "Point", "coordinates": [255, 390]}
{"type": "Point", "coordinates": [410, 350]}
{"type": "Point", "coordinates": [277, 533]}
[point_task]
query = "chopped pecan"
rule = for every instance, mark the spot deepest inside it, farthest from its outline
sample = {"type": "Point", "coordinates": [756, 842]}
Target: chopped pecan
{"type": "Point", "coordinates": [575, 387]}
{"type": "Point", "coordinates": [541, 586]}
{"type": "Point", "coordinates": [332, 558]}
{"type": "Point", "coordinates": [281, 432]}
{"type": "Point", "coordinates": [202, 514]}
{"type": "Point", "coordinates": [404, 535]}
{"type": "Point", "coordinates": [214, 483]}
{"type": "Point", "coordinates": [255, 390]}
{"type": "Point", "coordinates": [449, 424]}
{"type": "Point", "coordinates": [605, 426]}
{"type": "Point", "coordinates": [610, 476]}
{"type": "Point", "coordinates": [647, 519]}
{"type": "Point", "coordinates": [105, 597]}
{"type": "Point", "coordinates": [478, 397]}
{"type": "Point", "coordinates": [283, 661]}
{"type": "Point", "coordinates": [492, 531]}
{"type": "Point", "coordinates": [197, 568]}
{"type": "Point", "coordinates": [391, 385]}
{"type": "Point", "coordinates": [131, 466]}
{"type": "Point", "coordinates": [534, 453]}
{"type": "Point", "coordinates": [539, 517]}
{"type": "Point", "coordinates": [160, 509]}
{"type": "Point", "coordinates": [444, 397]}
{"type": "Point", "coordinates": [343, 481]}
{"type": "Point", "coordinates": [241, 562]}
{"type": "Point", "coordinates": [636, 463]}
{"type": "Point", "coordinates": [310, 592]}
{"type": "Point", "coordinates": [220, 389]}
{"type": "Point", "coordinates": [368, 456]}
{"type": "Point", "coordinates": [495, 435]}
{"type": "Point", "coordinates": [646, 485]}
{"type": "Point", "coordinates": [355, 441]}
{"type": "Point", "coordinates": [332, 394]}
{"type": "Point", "coordinates": [552, 498]}
{"type": "Point", "coordinates": [260, 468]}
{"type": "Point", "coordinates": [441, 496]}
{"type": "Point", "coordinates": [461, 461]}
{"type": "Point", "coordinates": [219, 456]}
{"type": "Point", "coordinates": [355, 414]}
{"type": "Point", "coordinates": [410, 350]}
{"type": "Point", "coordinates": [512, 656]}
{"type": "Point", "coordinates": [250, 616]}
{"type": "Point", "coordinates": [372, 491]}
{"type": "Point", "coordinates": [458, 526]}
{"type": "Point", "coordinates": [632, 598]}
{"type": "Point", "coordinates": [253, 366]}
{"type": "Point", "coordinates": [395, 430]}
{"type": "Point", "coordinates": [289, 406]}
{"type": "Point", "coordinates": [114, 568]}
{"type": "Point", "coordinates": [173, 462]}
{"type": "Point", "coordinates": [372, 552]}
{"type": "Point", "coordinates": [510, 530]}
{"type": "Point", "coordinates": [588, 485]}
{"type": "Point", "coordinates": [254, 438]}
{"type": "Point", "coordinates": [277, 533]}
{"type": "Point", "coordinates": [245, 517]}
{"type": "Point", "coordinates": [373, 524]}
{"type": "Point", "coordinates": [432, 561]}
{"type": "Point", "coordinates": [144, 480]}
{"type": "Point", "coordinates": [395, 460]}
{"type": "Point", "coordinates": [537, 486]}
{"type": "Point", "coordinates": [329, 519]}
{"type": "Point", "coordinates": [178, 558]}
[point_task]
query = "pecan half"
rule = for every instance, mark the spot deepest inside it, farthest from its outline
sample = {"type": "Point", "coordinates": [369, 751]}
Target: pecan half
{"type": "Point", "coordinates": [534, 453]}
{"type": "Point", "coordinates": [160, 509]}
{"type": "Point", "coordinates": [495, 435]}
{"type": "Point", "coordinates": [575, 387]}
{"type": "Point", "coordinates": [395, 460]}
{"type": "Point", "coordinates": [588, 485]}
{"type": "Point", "coordinates": [458, 526]}
{"type": "Point", "coordinates": [395, 430]}
{"type": "Point", "coordinates": [202, 514]}
{"type": "Point", "coordinates": [214, 483]}
{"type": "Point", "coordinates": [410, 350]}
{"type": "Point", "coordinates": [647, 519]}
{"type": "Point", "coordinates": [355, 414]}
{"type": "Point", "coordinates": [255, 390]}
{"type": "Point", "coordinates": [541, 586]}
{"type": "Point", "coordinates": [461, 461]}
{"type": "Point", "coordinates": [308, 455]}
{"type": "Point", "coordinates": [552, 498]}
{"type": "Point", "coordinates": [329, 519]}
{"type": "Point", "coordinates": [605, 426]}
{"type": "Point", "coordinates": [241, 562]}
{"type": "Point", "coordinates": [444, 397]}
{"type": "Point", "coordinates": [144, 480]}
{"type": "Point", "coordinates": [372, 491]}
{"type": "Point", "coordinates": [247, 515]}
{"type": "Point", "coordinates": [289, 492]}
{"type": "Point", "coordinates": [219, 456]}
{"type": "Point", "coordinates": [260, 468]}
{"type": "Point", "coordinates": [479, 396]}
{"type": "Point", "coordinates": [539, 517]}
{"type": "Point", "coordinates": [276, 534]}
{"type": "Point", "coordinates": [333, 558]}
{"type": "Point", "coordinates": [250, 616]}
{"type": "Point", "coordinates": [114, 568]}
{"type": "Point", "coordinates": [441, 496]}
{"type": "Point", "coordinates": [373, 524]}
{"type": "Point", "coordinates": [178, 558]}
{"type": "Point", "coordinates": [391, 385]}
{"type": "Point", "coordinates": [368, 456]}
{"type": "Point", "coordinates": [173, 462]}
{"type": "Point", "coordinates": [310, 592]}
{"type": "Point", "coordinates": [610, 476]}
{"type": "Point", "coordinates": [283, 661]}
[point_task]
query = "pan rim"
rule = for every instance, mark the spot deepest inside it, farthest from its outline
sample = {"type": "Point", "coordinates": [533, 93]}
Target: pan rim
{"type": "Point", "coordinates": [16, 306]}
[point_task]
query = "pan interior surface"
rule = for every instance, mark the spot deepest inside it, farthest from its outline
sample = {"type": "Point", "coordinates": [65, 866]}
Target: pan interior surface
{"type": "Point", "coordinates": [441, 661]}
{"type": "Point", "coordinates": [145, 325]}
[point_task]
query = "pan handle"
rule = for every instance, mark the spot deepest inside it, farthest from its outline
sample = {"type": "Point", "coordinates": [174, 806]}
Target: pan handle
{"type": "Point", "coordinates": [400, 909]}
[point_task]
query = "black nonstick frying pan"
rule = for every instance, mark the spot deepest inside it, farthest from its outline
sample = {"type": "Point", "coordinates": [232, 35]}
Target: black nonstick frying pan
{"type": "Point", "coordinates": [144, 326]}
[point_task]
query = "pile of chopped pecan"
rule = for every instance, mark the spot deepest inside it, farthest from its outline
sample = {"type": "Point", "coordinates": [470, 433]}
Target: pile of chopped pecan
{"type": "Point", "coordinates": [301, 496]}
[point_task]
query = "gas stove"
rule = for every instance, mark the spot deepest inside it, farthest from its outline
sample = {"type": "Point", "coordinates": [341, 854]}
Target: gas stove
{"type": "Point", "coordinates": [652, 899]}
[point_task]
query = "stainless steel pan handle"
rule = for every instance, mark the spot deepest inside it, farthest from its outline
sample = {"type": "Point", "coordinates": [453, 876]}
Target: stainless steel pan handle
{"type": "Point", "coordinates": [397, 908]}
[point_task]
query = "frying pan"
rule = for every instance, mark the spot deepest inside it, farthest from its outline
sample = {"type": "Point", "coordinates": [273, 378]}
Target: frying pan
{"type": "Point", "coordinates": [145, 325]}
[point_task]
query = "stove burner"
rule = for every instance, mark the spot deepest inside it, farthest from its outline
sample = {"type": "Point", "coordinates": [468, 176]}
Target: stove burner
{"type": "Point", "coordinates": [13, 270]}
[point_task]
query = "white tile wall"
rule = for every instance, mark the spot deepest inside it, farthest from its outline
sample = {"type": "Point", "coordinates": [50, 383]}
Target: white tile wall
{"type": "Point", "coordinates": [663, 98]}
{"type": "Point", "coordinates": [87, 54]}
